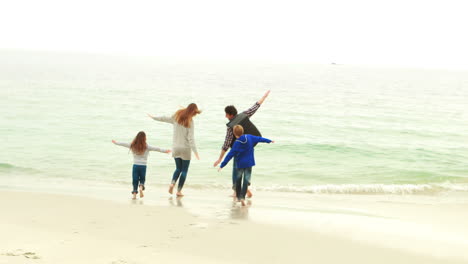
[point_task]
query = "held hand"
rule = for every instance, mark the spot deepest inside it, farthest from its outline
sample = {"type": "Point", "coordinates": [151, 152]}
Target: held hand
{"type": "Point", "coordinates": [217, 162]}
{"type": "Point", "coordinates": [272, 141]}
{"type": "Point", "coordinates": [150, 115]}
{"type": "Point", "coordinates": [113, 141]}
{"type": "Point", "coordinates": [219, 169]}
{"type": "Point", "coordinates": [168, 151]}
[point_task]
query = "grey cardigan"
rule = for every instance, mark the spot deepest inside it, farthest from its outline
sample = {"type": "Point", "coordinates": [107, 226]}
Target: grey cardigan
{"type": "Point", "coordinates": [183, 142]}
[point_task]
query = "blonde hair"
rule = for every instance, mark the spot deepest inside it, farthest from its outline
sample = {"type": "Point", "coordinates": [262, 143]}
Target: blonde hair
{"type": "Point", "coordinates": [238, 130]}
{"type": "Point", "coordinates": [184, 116]}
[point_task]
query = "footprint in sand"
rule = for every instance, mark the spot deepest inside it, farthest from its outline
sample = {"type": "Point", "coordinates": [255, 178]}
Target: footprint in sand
{"type": "Point", "coordinates": [199, 225]}
{"type": "Point", "coordinates": [119, 262]}
{"type": "Point", "coordinates": [20, 252]}
{"type": "Point", "coordinates": [15, 253]}
{"type": "Point", "coordinates": [31, 255]}
{"type": "Point", "coordinates": [144, 246]}
{"type": "Point", "coordinates": [9, 254]}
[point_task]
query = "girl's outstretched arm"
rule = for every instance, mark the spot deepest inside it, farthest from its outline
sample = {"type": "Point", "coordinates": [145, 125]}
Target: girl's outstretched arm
{"type": "Point", "coordinates": [127, 145]}
{"type": "Point", "coordinates": [151, 148]}
{"type": "Point", "coordinates": [162, 118]}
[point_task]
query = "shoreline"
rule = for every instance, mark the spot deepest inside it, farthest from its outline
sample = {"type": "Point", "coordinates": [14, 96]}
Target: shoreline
{"type": "Point", "coordinates": [179, 230]}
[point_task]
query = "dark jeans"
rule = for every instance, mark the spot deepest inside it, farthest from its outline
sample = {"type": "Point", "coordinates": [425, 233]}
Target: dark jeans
{"type": "Point", "coordinates": [180, 171]}
{"type": "Point", "coordinates": [139, 176]}
{"type": "Point", "coordinates": [234, 172]}
{"type": "Point", "coordinates": [243, 182]}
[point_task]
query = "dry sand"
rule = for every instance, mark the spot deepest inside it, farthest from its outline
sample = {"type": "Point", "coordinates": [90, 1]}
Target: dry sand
{"type": "Point", "coordinates": [48, 228]}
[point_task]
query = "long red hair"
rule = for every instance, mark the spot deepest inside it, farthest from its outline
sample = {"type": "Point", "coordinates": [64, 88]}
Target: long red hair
{"type": "Point", "coordinates": [184, 116]}
{"type": "Point", "coordinates": [138, 145]}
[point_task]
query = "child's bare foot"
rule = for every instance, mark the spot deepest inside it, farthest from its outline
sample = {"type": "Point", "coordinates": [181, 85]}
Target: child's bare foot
{"type": "Point", "coordinates": [249, 194]}
{"type": "Point", "coordinates": [179, 194]}
{"type": "Point", "coordinates": [171, 188]}
{"type": "Point", "coordinates": [242, 202]}
{"type": "Point", "coordinates": [141, 191]}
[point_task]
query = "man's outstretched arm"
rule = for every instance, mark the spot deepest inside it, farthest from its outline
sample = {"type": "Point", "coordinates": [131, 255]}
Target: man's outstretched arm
{"type": "Point", "coordinates": [257, 104]}
{"type": "Point", "coordinates": [220, 158]}
{"type": "Point", "coordinates": [264, 97]}
{"type": "Point", "coordinates": [225, 147]}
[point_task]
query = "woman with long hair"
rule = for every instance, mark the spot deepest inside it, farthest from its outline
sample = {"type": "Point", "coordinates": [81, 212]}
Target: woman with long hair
{"type": "Point", "coordinates": [183, 143]}
{"type": "Point", "coordinates": [140, 150]}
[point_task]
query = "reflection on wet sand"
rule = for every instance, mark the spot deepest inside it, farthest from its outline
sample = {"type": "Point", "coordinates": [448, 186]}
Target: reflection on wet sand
{"type": "Point", "coordinates": [137, 202]}
{"type": "Point", "coordinates": [240, 212]}
{"type": "Point", "coordinates": [178, 201]}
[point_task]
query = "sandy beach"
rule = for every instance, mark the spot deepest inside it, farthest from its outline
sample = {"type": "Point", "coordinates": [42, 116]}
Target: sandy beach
{"type": "Point", "coordinates": [53, 228]}
{"type": "Point", "coordinates": [365, 102]}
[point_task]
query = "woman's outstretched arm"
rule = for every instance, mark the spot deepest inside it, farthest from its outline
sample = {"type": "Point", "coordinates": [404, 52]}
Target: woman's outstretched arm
{"type": "Point", "coordinates": [127, 145]}
{"type": "Point", "coordinates": [162, 118]}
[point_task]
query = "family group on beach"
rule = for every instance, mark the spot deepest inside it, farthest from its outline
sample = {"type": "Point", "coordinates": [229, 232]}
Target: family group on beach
{"type": "Point", "coordinates": [241, 137]}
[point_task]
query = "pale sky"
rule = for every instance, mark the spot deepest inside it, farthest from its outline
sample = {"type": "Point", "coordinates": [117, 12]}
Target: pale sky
{"type": "Point", "coordinates": [397, 33]}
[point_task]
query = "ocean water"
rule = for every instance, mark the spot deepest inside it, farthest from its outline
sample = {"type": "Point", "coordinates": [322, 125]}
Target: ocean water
{"type": "Point", "coordinates": [338, 128]}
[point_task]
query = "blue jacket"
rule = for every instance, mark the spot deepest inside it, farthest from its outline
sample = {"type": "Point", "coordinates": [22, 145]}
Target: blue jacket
{"type": "Point", "coordinates": [243, 149]}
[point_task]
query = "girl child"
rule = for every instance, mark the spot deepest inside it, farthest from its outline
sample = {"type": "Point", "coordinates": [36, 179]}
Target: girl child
{"type": "Point", "coordinates": [183, 142]}
{"type": "Point", "coordinates": [140, 152]}
{"type": "Point", "coordinates": [243, 150]}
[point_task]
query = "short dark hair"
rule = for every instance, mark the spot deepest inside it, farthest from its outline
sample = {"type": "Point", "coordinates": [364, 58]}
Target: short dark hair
{"type": "Point", "coordinates": [230, 110]}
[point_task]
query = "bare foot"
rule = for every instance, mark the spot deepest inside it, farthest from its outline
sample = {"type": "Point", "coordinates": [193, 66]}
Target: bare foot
{"type": "Point", "coordinates": [234, 194]}
{"type": "Point", "coordinates": [171, 188]}
{"type": "Point", "coordinates": [134, 196]}
{"type": "Point", "coordinates": [179, 194]}
{"type": "Point", "coordinates": [243, 202]}
{"type": "Point", "coordinates": [249, 194]}
{"type": "Point", "coordinates": [141, 191]}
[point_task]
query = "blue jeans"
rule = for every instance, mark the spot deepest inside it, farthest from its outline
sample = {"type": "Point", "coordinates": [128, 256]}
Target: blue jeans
{"type": "Point", "coordinates": [234, 172]}
{"type": "Point", "coordinates": [138, 176]}
{"type": "Point", "coordinates": [180, 171]}
{"type": "Point", "coordinates": [243, 182]}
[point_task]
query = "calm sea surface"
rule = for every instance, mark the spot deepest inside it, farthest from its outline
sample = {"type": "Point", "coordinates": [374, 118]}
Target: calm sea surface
{"type": "Point", "coordinates": [338, 128]}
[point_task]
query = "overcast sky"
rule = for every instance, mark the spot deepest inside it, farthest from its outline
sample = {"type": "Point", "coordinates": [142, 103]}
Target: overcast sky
{"type": "Point", "coordinates": [406, 33]}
